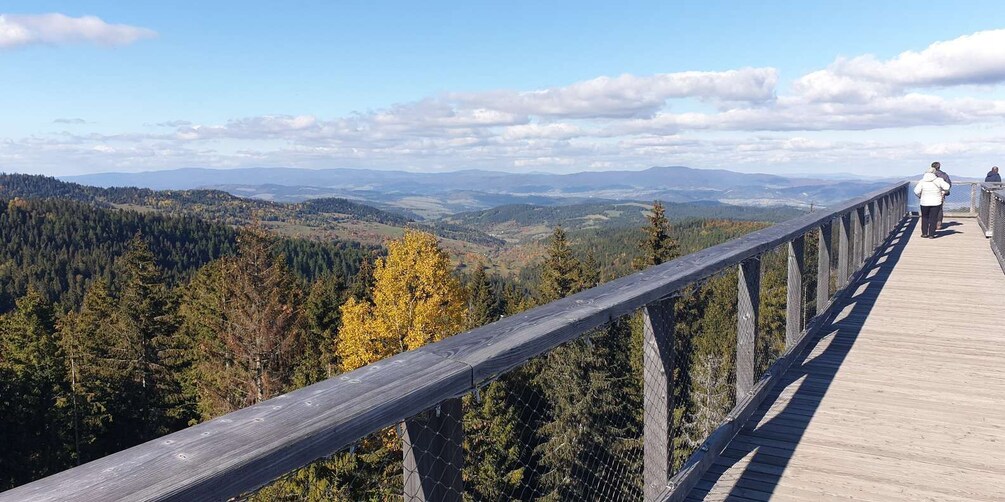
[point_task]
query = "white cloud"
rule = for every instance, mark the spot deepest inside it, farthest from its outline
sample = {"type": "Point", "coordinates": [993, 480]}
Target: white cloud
{"type": "Point", "coordinates": [629, 95]}
{"type": "Point", "coordinates": [59, 29]}
{"type": "Point", "coordinates": [732, 118]}
{"type": "Point", "coordinates": [976, 59]}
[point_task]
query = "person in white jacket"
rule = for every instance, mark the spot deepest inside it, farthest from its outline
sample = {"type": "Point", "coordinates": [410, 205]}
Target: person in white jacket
{"type": "Point", "coordinates": [932, 190]}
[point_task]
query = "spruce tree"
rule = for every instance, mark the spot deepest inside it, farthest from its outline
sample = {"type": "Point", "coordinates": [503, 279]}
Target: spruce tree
{"type": "Point", "coordinates": [247, 352]}
{"type": "Point", "coordinates": [562, 274]}
{"type": "Point", "coordinates": [34, 422]}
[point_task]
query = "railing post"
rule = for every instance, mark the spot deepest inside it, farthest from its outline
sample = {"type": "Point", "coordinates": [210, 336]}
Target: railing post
{"type": "Point", "coordinates": [794, 300]}
{"type": "Point", "coordinates": [748, 301]}
{"type": "Point", "coordinates": [870, 231]}
{"type": "Point", "coordinates": [433, 454]}
{"type": "Point", "coordinates": [859, 236]}
{"type": "Point", "coordinates": [973, 198]}
{"type": "Point", "coordinates": [844, 249]}
{"type": "Point", "coordinates": [824, 267]}
{"type": "Point", "coordinates": [657, 370]}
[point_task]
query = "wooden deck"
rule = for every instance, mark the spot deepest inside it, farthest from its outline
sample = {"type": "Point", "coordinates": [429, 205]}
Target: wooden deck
{"type": "Point", "coordinates": [902, 397]}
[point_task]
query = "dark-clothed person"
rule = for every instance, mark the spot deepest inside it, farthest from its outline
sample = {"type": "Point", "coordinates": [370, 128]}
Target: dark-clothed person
{"type": "Point", "coordinates": [944, 177]}
{"type": "Point", "coordinates": [993, 176]}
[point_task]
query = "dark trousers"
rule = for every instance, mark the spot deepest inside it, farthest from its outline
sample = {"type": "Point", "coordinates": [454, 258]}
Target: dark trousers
{"type": "Point", "coordinates": [929, 218]}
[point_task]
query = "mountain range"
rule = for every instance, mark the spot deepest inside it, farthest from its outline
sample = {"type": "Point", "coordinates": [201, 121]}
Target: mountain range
{"type": "Point", "coordinates": [432, 195]}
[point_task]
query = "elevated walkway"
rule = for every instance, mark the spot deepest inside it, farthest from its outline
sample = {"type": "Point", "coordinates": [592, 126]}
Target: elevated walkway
{"type": "Point", "coordinates": [900, 397]}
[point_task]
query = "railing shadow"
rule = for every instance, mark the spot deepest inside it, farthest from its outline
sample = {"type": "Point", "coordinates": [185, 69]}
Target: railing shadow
{"type": "Point", "coordinates": [773, 442]}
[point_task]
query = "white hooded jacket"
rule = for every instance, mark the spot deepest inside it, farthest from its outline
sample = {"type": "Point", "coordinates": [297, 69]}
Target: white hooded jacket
{"type": "Point", "coordinates": [931, 189]}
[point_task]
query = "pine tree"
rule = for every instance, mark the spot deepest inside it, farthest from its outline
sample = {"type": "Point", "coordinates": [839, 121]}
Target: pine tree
{"type": "Point", "coordinates": [149, 320]}
{"type": "Point", "coordinates": [89, 339]}
{"type": "Point", "coordinates": [657, 245]}
{"type": "Point", "coordinates": [248, 352]}
{"type": "Point", "coordinates": [484, 306]}
{"type": "Point", "coordinates": [125, 387]}
{"type": "Point", "coordinates": [562, 274]}
{"type": "Point", "coordinates": [321, 324]}
{"type": "Point", "coordinates": [33, 418]}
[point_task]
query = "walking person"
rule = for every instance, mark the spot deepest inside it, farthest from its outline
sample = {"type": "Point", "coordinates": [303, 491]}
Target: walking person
{"type": "Point", "coordinates": [944, 177]}
{"type": "Point", "coordinates": [993, 176]}
{"type": "Point", "coordinates": [931, 190]}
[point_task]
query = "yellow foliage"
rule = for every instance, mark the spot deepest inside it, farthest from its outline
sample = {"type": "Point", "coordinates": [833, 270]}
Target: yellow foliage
{"type": "Point", "coordinates": [416, 300]}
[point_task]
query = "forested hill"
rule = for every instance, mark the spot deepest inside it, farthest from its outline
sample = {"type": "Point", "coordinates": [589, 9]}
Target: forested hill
{"type": "Point", "coordinates": [325, 217]}
{"type": "Point", "coordinates": [59, 247]}
{"type": "Point", "coordinates": [518, 222]}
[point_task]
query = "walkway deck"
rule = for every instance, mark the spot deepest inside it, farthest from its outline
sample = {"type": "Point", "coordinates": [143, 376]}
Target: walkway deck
{"type": "Point", "coordinates": [902, 397]}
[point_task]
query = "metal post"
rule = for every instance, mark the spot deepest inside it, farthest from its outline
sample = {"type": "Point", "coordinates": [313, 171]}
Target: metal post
{"type": "Point", "coordinates": [657, 369]}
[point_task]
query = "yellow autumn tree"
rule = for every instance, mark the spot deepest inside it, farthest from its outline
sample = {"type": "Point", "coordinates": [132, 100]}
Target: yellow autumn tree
{"type": "Point", "coordinates": [416, 300]}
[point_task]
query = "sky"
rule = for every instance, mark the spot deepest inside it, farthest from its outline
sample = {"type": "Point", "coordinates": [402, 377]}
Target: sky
{"type": "Point", "coordinates": [870, 88]}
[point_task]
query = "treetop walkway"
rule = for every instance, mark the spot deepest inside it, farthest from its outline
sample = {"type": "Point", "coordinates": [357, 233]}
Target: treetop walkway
{"type": "Point", "coordinates": [900, 397]}
{"type": "Point", "coordinates": [836, 355]}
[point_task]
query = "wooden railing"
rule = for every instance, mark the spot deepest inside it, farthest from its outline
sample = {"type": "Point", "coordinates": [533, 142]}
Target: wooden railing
{"type": "Point", "coordinates": [244, 450]}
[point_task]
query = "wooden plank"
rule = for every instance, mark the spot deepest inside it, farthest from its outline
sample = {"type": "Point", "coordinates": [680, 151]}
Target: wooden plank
{"type": "Point", "coordinates": [248, 448]}
{"type": "Point", "coordinates": [794, 292]}
{"type": "Point", "coordinates": [657, 369]}
{"type": "Point", "coordinates": [747, 310]}
{"type": "Point", "coordinates": [884, 407]}
{"type": "Point", "coordinates": [432, 447]}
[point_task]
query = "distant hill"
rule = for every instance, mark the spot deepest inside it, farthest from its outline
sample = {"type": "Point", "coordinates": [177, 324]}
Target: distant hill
{"type": "Point", "coordinates": [322, 217]}
{"type": "Point", "coordinates": [520, 222]}
{"type": "Point", "coordinates": [432, 195]}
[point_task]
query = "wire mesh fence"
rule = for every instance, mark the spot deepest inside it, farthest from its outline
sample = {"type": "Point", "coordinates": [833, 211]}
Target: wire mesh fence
{"type": "Point", "coordinates": [617, 412]}
{"type": "Point", "coordinates": [611, 415]}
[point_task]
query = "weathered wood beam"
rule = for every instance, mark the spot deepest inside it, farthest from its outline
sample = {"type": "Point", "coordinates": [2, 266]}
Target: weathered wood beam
{"type": "Point", "coordinates": [657, 375]}
{"type": "Point", "coordinates": [794, 300]}
{"type": "Point", "coordinates": [747, 313]}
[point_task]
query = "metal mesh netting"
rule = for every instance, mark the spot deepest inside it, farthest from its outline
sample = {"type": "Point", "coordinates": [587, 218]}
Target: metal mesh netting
{"type": "Point", "coordinates": [998, 222]}
{"type": "Point", "coordinates": [571, 424]}
{"type": "Point", "coordinates": [962, 198]}
{"type": "Point", "coordinates": [611, 415]}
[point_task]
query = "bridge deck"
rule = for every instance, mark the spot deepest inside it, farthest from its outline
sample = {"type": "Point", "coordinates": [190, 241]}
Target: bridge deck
{"type": "Point", "coordinates": [902, 397]}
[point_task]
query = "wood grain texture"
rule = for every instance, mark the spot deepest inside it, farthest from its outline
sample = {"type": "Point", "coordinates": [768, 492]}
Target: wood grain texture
{"type": "Point", "coordinates": [246, 449]}
{"type": "Point", "coordinates": [844, 250]}
{"type": "Point", "coordinates": [885, 406]}
{"type": "Point", "coordinates": [794, 292]}
{"type": "Point", "coordinates": [824, 238]}
{"type": "Point", "coordinates": [747, 312]}
{"type": "Point", "coordinates": [657, 368]}
{"type": "Point", "coordinates": [499, 347]}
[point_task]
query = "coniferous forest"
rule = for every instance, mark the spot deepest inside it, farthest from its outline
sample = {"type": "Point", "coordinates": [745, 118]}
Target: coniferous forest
{"type": "Point", "coordinates": [118, 326]}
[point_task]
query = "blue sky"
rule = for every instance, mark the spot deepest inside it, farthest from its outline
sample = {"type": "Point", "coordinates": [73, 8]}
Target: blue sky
{"type": "Point", "coordinates": [877, 88]}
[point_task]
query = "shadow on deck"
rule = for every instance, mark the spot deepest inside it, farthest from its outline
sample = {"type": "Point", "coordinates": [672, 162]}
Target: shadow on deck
{"type": "Point", "coordinates": [772, 434]}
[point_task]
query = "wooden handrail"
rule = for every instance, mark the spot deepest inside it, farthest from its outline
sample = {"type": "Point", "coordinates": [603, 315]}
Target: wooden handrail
{"type": "Point", "coordinates": [248, 448]}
